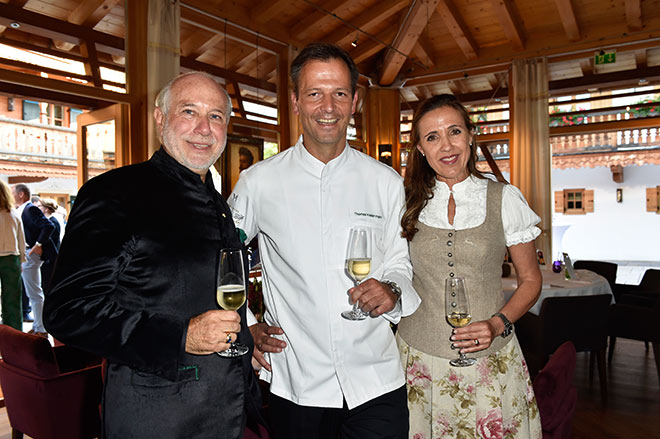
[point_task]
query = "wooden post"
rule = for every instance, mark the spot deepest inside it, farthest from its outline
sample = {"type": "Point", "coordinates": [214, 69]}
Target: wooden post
{"type": "Point", "coordinates": [136, 79]}
{"type": "Point", "coordinates": [382, 109]}
{"type": "Point", "coordinates": [283, 96]}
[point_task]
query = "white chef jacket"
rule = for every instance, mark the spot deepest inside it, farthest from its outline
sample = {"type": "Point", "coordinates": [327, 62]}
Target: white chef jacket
{"type": "Point", "coordinates": [303, 210]}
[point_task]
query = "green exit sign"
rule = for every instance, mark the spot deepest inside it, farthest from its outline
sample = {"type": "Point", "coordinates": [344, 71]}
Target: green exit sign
{"type": "Point", "coordinates": [604, 58]}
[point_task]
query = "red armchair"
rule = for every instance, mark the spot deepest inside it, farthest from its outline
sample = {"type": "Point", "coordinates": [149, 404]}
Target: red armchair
{"type": "Point", "coordinates": [50, 392]}
{"type": "Point", "coordinates": [555, 394]}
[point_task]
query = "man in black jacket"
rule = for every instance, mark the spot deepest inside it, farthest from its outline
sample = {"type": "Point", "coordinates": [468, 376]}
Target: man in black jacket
{"type": "Point", "coordinates": [135, 281]}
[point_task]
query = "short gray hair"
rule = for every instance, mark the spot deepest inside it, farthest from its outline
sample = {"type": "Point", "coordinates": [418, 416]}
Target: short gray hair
{"type": "Point", "coordinates": [163, 97]}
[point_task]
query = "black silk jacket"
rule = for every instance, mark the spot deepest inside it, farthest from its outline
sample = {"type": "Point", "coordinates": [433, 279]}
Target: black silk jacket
{"type": "Point", "coordinates": [138, 260]}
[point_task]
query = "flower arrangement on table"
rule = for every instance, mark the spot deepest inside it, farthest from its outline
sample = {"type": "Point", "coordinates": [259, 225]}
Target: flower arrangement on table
{"type": "Point", "coordinates": [256, 298]}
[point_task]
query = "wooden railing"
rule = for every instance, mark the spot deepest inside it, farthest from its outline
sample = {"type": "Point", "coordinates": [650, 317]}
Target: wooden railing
{"type": "Point", "coordinates": [36, 142]}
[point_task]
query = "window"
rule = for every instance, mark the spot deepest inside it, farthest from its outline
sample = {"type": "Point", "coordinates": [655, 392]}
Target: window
{"type": "Point", "coordinates": [574, 201]}
{"type": "Point", "coordinates": [31, 111]}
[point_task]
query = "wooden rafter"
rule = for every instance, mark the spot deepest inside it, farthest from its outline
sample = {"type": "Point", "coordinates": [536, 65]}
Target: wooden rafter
{"type": "Point", "coordinates": [374, 15]}
{"type": "Point", "coordinates": [587, 66]}
{"type": "Point", "coordinates": [218, 26]}
{"type": "Point", "coordinates": [236, 99]}
{"type": "Point", "coordinates": [641, 60]}
{"type": "Point", "coordinates": [424, 50]}
{"type": "Point", "coordinates": [195, 40]}
{"type": "Point", "coordinates": [511, 24]}
{"type": "Point", "coordinates": [459, 31]}
{"type": "Point", "coordinates": [568, 19]}
{"type": "Point", "coordinates": [92, 68]}
{"type": "Point", "coordinates": [410, 31]}
{"type": "Point", "coordinates": [48, 27]}
{"type": "Point", "coordinates": [634, 14]}
{"type": "Point", "coordinates": [315, 18]}
{"type": "Point", "coordinates": [371, 47]}
{"type": "Point", "coordinates": [90, 12]}
{"type": "Point", "coordinates": [192, 64]}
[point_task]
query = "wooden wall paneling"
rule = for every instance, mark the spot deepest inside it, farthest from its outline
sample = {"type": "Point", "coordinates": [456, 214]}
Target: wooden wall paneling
{"type": "Point", "coordinates": [382, 121]}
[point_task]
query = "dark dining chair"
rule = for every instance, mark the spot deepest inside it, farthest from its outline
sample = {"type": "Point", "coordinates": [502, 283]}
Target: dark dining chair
{"type": "Point", "coordinates": [637, 317]}
{"type": "Point", "coordinates": [644, 294]}
{"type": "Point", "coordinates": [556, 395]}
{"type": "Point", "coordinates": [606, 269]}
{"type": "Point", "coordinates": [50, 392]}
{"type": "Point", "coordinates": [583, 320]}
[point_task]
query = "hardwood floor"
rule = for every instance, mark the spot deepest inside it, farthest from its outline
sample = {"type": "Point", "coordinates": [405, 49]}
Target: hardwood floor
{"type": "Point", "coordinates": [632, 409]}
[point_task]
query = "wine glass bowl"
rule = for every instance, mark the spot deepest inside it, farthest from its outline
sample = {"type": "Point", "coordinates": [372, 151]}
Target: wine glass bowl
{"type": "Point", "coordinates": [230, 291]}
{"type": "Point", "coordinates": [457, 312]}
{"type": "Point", "coordinates": [358, 266]}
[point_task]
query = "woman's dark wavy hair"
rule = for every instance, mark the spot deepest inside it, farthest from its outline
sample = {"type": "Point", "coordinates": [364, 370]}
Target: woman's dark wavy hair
{"type": "Point", "coordinates": [420, 177]}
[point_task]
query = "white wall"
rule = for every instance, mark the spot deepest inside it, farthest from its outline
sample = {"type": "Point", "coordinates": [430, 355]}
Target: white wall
{"type": "Point", "coordinates": [614, 231]}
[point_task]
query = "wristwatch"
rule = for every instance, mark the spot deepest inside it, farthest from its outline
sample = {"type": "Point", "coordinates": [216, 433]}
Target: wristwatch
{"type": "Point", "coordinates": [508, 326]}
{"type": "Point", "coordinates": [394, 287]}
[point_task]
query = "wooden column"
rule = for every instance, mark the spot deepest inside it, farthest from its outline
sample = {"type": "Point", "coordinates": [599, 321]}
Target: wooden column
{"type": "Point", "coordinates": [382, 121]}
{"type": "Point", "coordinates": [136, 79]}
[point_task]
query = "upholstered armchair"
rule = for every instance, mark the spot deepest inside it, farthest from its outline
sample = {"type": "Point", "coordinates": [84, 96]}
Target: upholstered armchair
{"type": "Point", "coordinates": [50, 392]}
{"type": "Point", "coordinates": [555, 393]}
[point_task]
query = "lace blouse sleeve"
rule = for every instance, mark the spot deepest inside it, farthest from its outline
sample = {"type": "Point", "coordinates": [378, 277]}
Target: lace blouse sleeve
{"type": "Point", "coordinates": [518, 219]}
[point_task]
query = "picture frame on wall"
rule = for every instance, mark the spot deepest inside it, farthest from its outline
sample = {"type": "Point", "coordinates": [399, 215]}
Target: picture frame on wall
{"type": "Point", "coordinates": [240, 154]}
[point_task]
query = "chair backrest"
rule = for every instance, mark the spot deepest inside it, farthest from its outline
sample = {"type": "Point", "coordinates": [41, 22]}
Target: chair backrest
{"type": "Point", "coordinates": [580, 319]}
{"type": "Point", "coordinates": [28, 352]}
{"type": "Point", "coordinates": [650, 281]}
{"type": "Point", "coordinates": [606, 269]}
{"type": "Point", "coordinates": [555, 394]}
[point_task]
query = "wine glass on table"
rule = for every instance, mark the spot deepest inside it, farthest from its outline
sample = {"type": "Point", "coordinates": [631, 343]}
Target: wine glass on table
{"type": "Point", "coordinates": [458, 313]}
{"type": "Point", "coordinates": [230, 291]}
{"type": "Point", "coordinates": [358, 265]}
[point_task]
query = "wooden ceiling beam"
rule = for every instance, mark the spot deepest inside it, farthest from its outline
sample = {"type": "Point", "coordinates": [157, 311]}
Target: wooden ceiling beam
{"type": "Point", "coordinates": [194, 41]}
{"type": "Point", "coordinates": [587, 66]}
{"type": "Point", "coordinates": [641, 60]}
{"type": "Point", "coordinates": [90, 12]}
{"type": "Point", "coordinates": [92, 68]}
{"type": "Point", "coordinates": [218, 26]}
{"type": "Point", "coordinates": [424, 50]}
{"type": "Point", "coordinates": [228, 75]}
{"type": "Point", "coordinates": [367, 49]}
{"type": "Point", "coordinates": [412, 28]}
{"type": "Point", "coordinates": [207, 45]}
{"type": "Point", "coordinates": [568, 20]}
{"type": "Point", "coordinates": [65, 87]}
{"type": "Point", "coordinates": [316, 17]}
{"type": "Point", "coordinates": [239, 16]}
{"type": "Point", "coordinates": [508, 16]}
{"type": "Point", "coordinates": [604, 80]}
{"type": "Point", "coordinates": [366, 20]}
{"type": "Point", "coordinates": [634, 14]}
{"type": "Point", "coordinates": [52, 28]}
{"type": "Point", "coordinates": [54, 97]}
{"type": "Point", "coordinates": [458, 30]}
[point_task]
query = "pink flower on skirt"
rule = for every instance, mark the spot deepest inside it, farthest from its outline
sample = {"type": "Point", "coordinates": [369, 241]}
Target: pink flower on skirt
{"type": "Point", "coordinates": [490, 426]}
{"type": "Point", "coordinates": [453, 378]}
{"type": "Point", "coordinates": [419, 436]}
{"type": "Point", "coordinates": [443, 425]}
{"type": "Point", "coordinates": [418, 375]}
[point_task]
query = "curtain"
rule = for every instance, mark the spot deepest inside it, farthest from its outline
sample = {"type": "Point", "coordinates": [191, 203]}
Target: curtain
{"type": "Point", "coordinates": [531, 157]}
{"type": "Point", "coordinates": [163, 39]}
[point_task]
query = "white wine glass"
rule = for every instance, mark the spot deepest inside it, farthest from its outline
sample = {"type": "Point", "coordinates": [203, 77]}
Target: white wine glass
{"type": "Point", "coordinates": [230, 291]}
{"type": "Point", "coordinates": [458, 313]}
{"type": "Point", "coordinates": [358, 266]}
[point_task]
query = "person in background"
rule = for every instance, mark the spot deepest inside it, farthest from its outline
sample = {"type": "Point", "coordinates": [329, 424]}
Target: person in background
{"type": "Point", "coordinates": [38, 231]}
{"type": "Point", "coordinates": [330, 377]}
{"type": "Point", "coordinates": [135, 281]}
{"type": "Point", "coordinates": [48, 206]}
{"type": "Point", "coordinates": [12, 254]}
{"type": "Point", "coordinates": [460, 224]}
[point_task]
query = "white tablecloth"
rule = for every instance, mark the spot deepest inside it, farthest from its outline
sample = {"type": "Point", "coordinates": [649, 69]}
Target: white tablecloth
{"type": "Point", "coordinates": [587, 283]}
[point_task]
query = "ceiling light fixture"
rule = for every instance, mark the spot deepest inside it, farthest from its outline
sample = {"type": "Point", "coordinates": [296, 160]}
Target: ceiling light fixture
{"type": "Point", "coordinates": [14, 25]}
{"type": "Point", "coordinates": [355, 41]}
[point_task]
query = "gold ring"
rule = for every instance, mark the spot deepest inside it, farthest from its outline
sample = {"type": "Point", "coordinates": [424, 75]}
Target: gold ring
{"type": "Point", "coordinates": [228, 340]}
{"type": "Point", "coordinates": [476, 342]}
{"type": "Point", "coordinates": [259, 346]}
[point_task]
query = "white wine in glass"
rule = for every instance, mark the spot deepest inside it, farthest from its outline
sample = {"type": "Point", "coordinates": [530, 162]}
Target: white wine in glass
{"type": "Point", "coordinates": [230, 291]}
{"type": "Point", "coordinates": [457, 313]}
{"type": "Point", "coordinates": [358, 266]}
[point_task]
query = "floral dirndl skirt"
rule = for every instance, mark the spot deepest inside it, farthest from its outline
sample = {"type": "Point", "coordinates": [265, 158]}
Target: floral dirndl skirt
{"type": "Point", "coordinates": [491, 399]}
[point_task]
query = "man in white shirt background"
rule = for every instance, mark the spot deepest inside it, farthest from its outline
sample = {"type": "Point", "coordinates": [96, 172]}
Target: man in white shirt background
{"type": "Point", "coordinates": [329, 377]}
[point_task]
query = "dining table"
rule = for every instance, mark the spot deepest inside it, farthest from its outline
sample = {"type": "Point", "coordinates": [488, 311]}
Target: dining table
{"type": "Point", "coordinates": [585, 283]}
